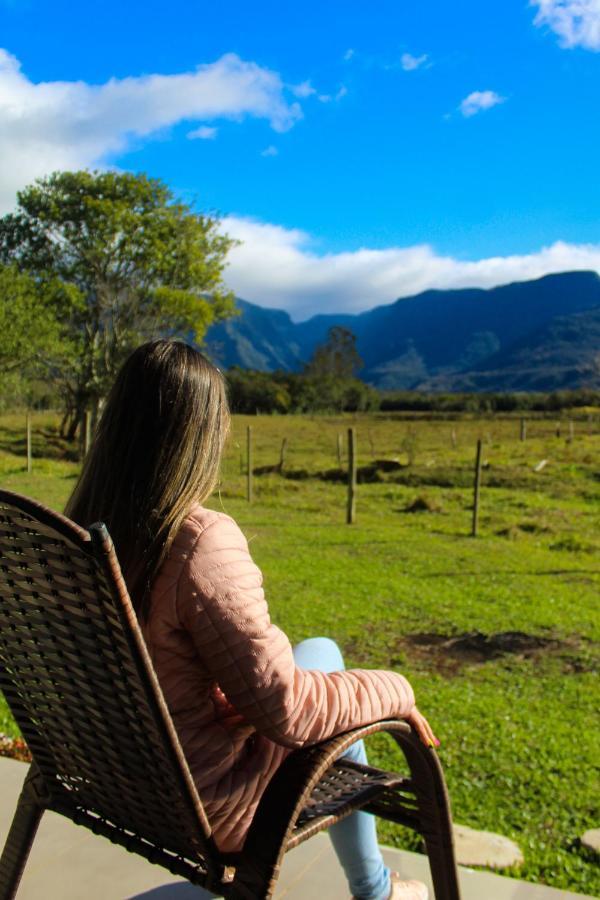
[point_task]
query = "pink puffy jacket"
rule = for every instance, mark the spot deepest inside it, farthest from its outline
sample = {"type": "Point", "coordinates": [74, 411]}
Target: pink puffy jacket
{"type": "Point", "coordinates": [238, 701]}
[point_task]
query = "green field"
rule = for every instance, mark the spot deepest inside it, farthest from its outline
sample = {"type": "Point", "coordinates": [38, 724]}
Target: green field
{"type": "Point", "coordinates": [407, 587]}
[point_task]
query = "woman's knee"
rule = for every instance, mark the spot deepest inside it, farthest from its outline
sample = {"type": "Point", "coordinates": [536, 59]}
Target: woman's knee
{"type": "Point", "coordinates": [357, 753]}
{"type": "Point", "coordinates": [319, 653]}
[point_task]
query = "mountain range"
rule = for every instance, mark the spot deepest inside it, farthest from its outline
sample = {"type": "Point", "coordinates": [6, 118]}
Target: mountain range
{"type": "Point", "coordinates": [533, 335]}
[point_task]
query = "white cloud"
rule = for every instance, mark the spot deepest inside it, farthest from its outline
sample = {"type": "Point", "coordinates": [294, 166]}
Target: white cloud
{"type": "Point", "coordinates": [304, 89]}
{"type": "Point", "coordinates": [279, 268]}
{"type": "Point", "coordinates": [204, 133]}
{"type": "Point", "coordinates": [409, 62]}
{"type": "Point", "coordinates": [271, 150]}
{"type": "Point", "coordinates": [55, 125]}
{"type": "Point", "coordinates": [576, 22]}
{"type": "Point", "coordinates": [349, 54]}
{"type": "Point", "coordinates": [478, 101]}
{"type": "Point", "coordinates": [327, 98]}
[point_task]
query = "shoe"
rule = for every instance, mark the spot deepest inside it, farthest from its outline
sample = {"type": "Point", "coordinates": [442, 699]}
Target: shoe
{"type": "Point", "coordinates": [407, 890]}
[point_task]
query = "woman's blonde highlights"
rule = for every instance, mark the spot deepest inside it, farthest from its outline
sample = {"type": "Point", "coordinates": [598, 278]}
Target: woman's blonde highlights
{"type": "Point", "coordinates": [156, 453]}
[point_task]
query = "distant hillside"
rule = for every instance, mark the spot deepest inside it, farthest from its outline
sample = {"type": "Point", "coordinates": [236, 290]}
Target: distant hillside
{"type": "Point", "coordinates": [258, 338]}
{"type": "Point", "coordinates": [535, 335]}
{"type": "Point", "coordinates": [564, 354]}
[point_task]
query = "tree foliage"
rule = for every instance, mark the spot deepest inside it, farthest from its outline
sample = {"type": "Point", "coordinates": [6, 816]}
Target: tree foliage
{"type": "Point", "coordinates": [337, 358]}
{"type": "Point", "coordinates": [330, 374]}
{"type": "Point", "coordinates": [292, 392]}
{"type": "Point", "coordinates": [121, 261]}
{"type": "Point", "coordinates": [28, 327]}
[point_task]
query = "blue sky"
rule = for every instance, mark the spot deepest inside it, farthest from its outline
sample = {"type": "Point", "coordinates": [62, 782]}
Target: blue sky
{"type": "Point", "coordinates": [361, 151]}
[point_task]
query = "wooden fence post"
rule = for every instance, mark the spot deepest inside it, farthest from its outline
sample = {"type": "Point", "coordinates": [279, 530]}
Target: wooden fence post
{"type": "Point", "coordinates": [28, 442]}
{"type": "Point", "coordinates": [339, 450]}
{"type": "Point", "coordinates": [351, 508]}
{"type": "Point", "coordinates": [249, 464]}
{"type": "Point", "coordinates": [282, 454]}
{"type": "Point", "coordinates": [371, 444]}
{"type": "Point", "coordinates": [523, 429]}
{"type": "Point", "coordinates": [476, 490]}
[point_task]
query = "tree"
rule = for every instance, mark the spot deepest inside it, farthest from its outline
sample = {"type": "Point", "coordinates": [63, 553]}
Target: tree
{"type": "Point", "coordinates": [124, 262]}
{"type": "Point", "coordinates": [252, 392]}
{"type": "Point", "coordinates": [28, 326]}
{"type": "Point", "coordinates": [331, 371]}
{"type": "Point", "coordinates": [337, 357]}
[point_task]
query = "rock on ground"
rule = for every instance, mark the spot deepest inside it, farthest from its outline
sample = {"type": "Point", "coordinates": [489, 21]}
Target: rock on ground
{"type": "Point", "coordinates": [484, 848]}
{"type": "Point", "coordinates": [591, 839]}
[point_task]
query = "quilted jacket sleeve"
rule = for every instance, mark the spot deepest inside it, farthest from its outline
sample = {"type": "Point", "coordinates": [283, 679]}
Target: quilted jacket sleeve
{"type": "Point", "coordinates": [220, 602]}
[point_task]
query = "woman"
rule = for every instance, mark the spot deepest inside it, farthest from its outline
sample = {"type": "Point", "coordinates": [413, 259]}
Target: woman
{"type": "Point", "coordinates": [240, 697]}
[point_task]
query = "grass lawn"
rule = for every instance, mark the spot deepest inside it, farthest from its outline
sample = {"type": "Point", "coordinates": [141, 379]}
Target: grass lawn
{"type": "Point", "coordinates": [517, 713]}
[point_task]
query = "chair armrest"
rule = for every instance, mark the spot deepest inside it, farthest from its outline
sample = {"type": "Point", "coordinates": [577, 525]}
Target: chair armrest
{"type": "Point", "coordinates": [290, 788]}
{"type": "Point", "coordinates": [273, 828]}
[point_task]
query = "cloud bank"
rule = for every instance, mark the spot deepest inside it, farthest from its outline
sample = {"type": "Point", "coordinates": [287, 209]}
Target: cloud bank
{"type": "Point", "coordinates": [71, 124]}
{"type": "Point", "coordinates": [576, 22]}
{"type": "Point", "coordinates": [277, 267]}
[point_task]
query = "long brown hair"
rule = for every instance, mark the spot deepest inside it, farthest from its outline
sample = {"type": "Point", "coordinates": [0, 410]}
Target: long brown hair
{"type": "Point", "coordinates": [156, 452]}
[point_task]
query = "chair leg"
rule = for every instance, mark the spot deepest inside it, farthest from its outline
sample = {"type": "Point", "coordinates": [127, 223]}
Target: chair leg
{"type": "Point", "coordinates": [30, 809]}
{"type": "Point", "coordinates": [439, 842]}
{"type": "Point", "coordinates": [434, 814]}
{"type": "Point", "coordinates": [254, 880]}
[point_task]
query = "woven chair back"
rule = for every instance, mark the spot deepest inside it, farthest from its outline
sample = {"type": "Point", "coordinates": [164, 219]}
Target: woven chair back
{"type": "Point", "coordinates": [76, 674]}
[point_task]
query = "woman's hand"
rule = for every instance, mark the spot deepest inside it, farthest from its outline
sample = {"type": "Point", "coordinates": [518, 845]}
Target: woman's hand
{"type": "Point", "coordinates": [422, 727]}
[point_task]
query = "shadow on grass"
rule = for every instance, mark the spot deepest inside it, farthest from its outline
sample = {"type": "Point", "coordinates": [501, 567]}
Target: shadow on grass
{"type": "Point", "coordinates": [46, 444]}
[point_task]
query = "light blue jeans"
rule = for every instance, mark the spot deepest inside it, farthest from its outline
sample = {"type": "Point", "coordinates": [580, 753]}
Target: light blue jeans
{"type": "Point", "coordinates": [354, 839]}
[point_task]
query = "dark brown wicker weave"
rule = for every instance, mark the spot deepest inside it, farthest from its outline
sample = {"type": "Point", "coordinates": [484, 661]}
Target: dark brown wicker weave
{"type": "Point", "coordinates": [76, 674]}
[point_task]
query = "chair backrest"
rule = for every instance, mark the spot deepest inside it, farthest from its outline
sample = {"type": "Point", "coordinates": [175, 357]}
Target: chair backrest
{"type": "Point", "coordinates": [76, 673]}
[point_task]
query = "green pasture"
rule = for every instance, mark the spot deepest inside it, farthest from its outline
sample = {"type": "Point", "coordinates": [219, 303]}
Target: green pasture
{"type": "Point", "coordinates": [499, 634]}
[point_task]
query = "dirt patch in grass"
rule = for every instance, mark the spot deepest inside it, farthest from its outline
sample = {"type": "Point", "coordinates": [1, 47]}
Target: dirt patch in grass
{"type": "Point", "coordinates": [573, 544]}
{"type": "Point", "coordinates": [528, 527]}
{"type": "Point", "coordinates": [422, 503]}
{"type": "Point", "coordinates": [370, 474]}
{"type": "Point", "coordinates": [267, 470]}
{"type": "Point", "coordinates": [450, 653]}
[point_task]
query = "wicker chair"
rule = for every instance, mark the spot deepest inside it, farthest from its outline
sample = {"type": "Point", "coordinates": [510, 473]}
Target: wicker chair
{"type": "Point", "coordinates": [76, 673]}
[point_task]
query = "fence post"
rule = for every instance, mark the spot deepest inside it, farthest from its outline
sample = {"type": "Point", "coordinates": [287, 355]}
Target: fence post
{"type": "Point", "coordinates": [282, 454]}
{"type": "Point", "coordinates": [28, 442]}
{"type": "Point", "coordinates": [339, 449]}
{"type": "Point", "coordinates": [371, 444]}
{"type": "Point", "coordinates": [351, 509]}
{"type": "Point", "coordinates": [523, 429]}
{"type": "Point", "coordinates": [476, 490]}
{"type": "Point", "coordinates": [249, 464]}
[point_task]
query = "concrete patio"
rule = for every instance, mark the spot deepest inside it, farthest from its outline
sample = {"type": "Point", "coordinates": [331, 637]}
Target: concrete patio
{"type": "Point", "coordinates": [69, 863]}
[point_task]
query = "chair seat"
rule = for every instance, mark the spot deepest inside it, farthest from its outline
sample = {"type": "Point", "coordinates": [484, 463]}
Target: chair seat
{"type": "Point", "coordinates": [346, 787]}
